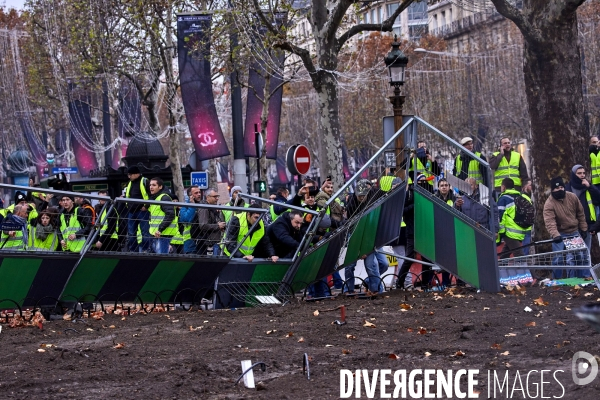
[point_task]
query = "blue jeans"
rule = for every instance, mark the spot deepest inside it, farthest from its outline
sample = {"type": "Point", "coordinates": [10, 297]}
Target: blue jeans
{"type": "Point", "coordinates": [161, 245]}
{"type": "Point", "coordinates": [216, 250]}
{"type": "Point", "coordinates": [578, 258]}
{"type": "Point", "coordinates": [376, 265]}
{"type": "Point", "coordinates": [318, 289]}
{"type": "Point", "coordinates": [141, 219]}
{"type": "Point", "coordinates": [337, 280]}
{"type": "Point", "coordinates": [189, 246]}
{"type": "Point", "coordinates": [526, 240]}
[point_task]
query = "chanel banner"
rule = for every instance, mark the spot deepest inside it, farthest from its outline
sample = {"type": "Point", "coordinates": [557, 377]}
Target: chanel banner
{"type": "Point", "coordinates": [254, 106]}
{"type": "Point", "coordinates": [81, 129]}
{"type": "Point", "coordinates": [193, 48]}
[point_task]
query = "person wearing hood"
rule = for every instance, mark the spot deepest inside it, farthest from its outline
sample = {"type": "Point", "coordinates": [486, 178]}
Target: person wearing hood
{"type": "Point", "coordinates": [594, 150]}
{"type": "Point", "coordinates": [563, 216]}
{"type": "Point", "coordinates": [589, 196]}
{"type": "Point", "coordinates": [235, 201]}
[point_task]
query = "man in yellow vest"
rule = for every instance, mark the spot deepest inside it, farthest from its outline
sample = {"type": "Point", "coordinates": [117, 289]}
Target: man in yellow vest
{"type": "Point", "coordinates": [589, 196]}
{"type": "Point", "coordinates": [467, 167]}
{"type": "Point", "coordinates": [163, 224]}
{"type": "Point", "coordinates": [137, 214]}
{"type": "Point", "coordinates": [507, 163]}
{"type": "Point", "coordinates": [188, 217]}
{"type": "Point", "coordinates": [75, 225]}
{"type": "Point", "coordinates": [595, 160]}
{"type": "Point", "coordinates": [509, 231]}
{"type": "Point", "coordinates": [15, 229]}
{"type": "Point", "coordinates": [257, 244]}
{"type": "Point", "coordinates": [108, 238]}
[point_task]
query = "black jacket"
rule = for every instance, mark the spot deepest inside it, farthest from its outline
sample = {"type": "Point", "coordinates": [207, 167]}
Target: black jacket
{"type": "Point", "coordinates": [593, 226]}
{"type": "Point", "coordinates": [283, 237]}
{"type": "Point", "coordinates": [136, 193]}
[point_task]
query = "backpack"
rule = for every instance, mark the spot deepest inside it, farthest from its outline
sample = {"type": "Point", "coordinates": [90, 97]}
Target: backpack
{"type": "Point", "coordinates": [524, 212]}
{"type": "Point", "coordinates": [92, 210]}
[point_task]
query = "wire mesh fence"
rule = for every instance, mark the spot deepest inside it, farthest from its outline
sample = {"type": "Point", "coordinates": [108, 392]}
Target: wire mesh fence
{"type": "Point", "coordinates": [259, 294]}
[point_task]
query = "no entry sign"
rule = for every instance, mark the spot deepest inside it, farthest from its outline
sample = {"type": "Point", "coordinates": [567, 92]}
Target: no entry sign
{"type": "Point", "coordinates": [298, 159]}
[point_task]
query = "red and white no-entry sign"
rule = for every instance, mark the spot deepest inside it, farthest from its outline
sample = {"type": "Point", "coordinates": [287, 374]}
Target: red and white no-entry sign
{"type": "Point", "coordinates": [298, 159]}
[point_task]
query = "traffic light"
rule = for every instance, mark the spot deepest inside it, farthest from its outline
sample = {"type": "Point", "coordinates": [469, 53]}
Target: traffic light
{"type": "Point", "coordinates": [260, 186]}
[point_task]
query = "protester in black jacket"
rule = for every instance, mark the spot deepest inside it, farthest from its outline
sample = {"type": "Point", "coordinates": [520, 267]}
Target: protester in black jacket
{"type": "Point", "coordinates": [285, 233]}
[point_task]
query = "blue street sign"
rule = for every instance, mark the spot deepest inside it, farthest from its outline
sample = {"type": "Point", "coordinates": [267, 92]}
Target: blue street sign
{"type": "Point", "coordinates": [200, 179]}
{"type": "Point", "coordinates": [66, 170]}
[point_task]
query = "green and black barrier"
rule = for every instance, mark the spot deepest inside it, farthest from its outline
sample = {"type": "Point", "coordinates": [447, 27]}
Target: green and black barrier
{"type": "Point", "coordinates": [452, 241]}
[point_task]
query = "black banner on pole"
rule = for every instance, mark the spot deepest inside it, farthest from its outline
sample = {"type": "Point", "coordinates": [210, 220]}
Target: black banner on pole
{"type": "Point", "coordinates": [254, 105]}
{"type": "Point", "coordinates": [130, 117]}
{"type": "Point", "coordinates": [193, 48]}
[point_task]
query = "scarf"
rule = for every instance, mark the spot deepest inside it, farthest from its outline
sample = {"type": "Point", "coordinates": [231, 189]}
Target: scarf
{"type": "Point", "coordinates": [42, 232]}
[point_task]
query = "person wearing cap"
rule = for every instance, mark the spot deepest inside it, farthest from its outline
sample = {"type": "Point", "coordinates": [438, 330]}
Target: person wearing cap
{"type": "Point", "coordinates": [589, 196]}
{"type": "Point", "coordinates": [20, 198]}
{"type": "Point", "coordinates": [15, 229]}
{"type": "Point", "coordinates": [510, 232]}
{"type": "Point", "coordinates": [137, 213]}
{"type": "Point", "coordinates": [75, 225]}
{"type": "Point", "coordinates": [507, 163]}
{"type": "Point", "coordinates": [250, 226]}
{"type": "Point", "coordinates": [163, 224]}
{"type": "Point", "coordinates": [235, 201]}
{"type": "Point", "coordinates": [465, 166]}
{"type": "Point", "coordinates": [564, 217]}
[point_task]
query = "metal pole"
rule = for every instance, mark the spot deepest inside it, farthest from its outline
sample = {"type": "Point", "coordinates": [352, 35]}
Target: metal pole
{"type": "Point", "coordinates": [397, 102]}
{"type": "Point", "coordinates": [239, 162]}
{"type": "Point", "coordinates": [257, 145]}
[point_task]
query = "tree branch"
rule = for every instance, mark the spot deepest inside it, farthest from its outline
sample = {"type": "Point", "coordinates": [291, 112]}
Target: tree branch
{"type": "Point", "coordinates": [385, 26]}
{"type": "Point", "coordinates": [511, 12]}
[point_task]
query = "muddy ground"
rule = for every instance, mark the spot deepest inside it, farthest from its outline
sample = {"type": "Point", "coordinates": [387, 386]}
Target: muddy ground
{"type": "Point", "coordinates": [197, 354]}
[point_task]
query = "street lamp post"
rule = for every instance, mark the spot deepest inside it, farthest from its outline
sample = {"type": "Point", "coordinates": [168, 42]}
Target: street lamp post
{"type": "Point", "coordinates": [396, 62]}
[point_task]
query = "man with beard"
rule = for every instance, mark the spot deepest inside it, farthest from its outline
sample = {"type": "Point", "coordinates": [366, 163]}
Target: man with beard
{"type": "Point", "coordinates": [336, 208]}
{"type": "Point", "coordinates": [589, 196]}
{"type": "Point", "coordinates": [563, 217]}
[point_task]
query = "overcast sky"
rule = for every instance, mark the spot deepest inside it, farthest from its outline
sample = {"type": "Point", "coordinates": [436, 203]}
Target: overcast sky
{"type": "Point", "coordinates": [18, 4]}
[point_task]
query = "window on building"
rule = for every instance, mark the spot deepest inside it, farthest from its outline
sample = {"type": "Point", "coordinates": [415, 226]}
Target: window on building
{"type": "Point", "coordinates": [417, 11]}
{"type": "Point", "coordinates": [367, 20]}
{"type": "Point", "coordinates": [443, 21]}
{"type": "Point", "coordinates": [450, 16]}
{"type": "Point", "coordinates": [380, 14]}
{"type": "Point", "coordinates": [435, 21]}
{"type": "Point", "coordinates": [391, 9]}
{"type": "Point", "coordinates": [373, 17]}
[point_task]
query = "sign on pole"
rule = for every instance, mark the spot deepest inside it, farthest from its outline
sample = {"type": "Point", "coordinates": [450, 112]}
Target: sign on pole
{"type": "Point", "coordinates": [200, 179]}
{"type": "Point", "coordinates": [298, 160]}
{"type": "Point", "coordinates": [65, 170]}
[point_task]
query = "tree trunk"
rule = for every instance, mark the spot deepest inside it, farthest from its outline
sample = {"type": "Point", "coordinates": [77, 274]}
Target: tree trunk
{"type": "Point", "coordinates": [329, 127]}
{"type": "Point", "coordinates": [174, 139]}
{"type": "Point", "coordinates": [553, 85]}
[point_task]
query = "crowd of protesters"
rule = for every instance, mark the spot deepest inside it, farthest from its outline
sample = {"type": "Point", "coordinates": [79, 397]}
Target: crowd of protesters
{"type": "Point", "coordinates": [42, 222]}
